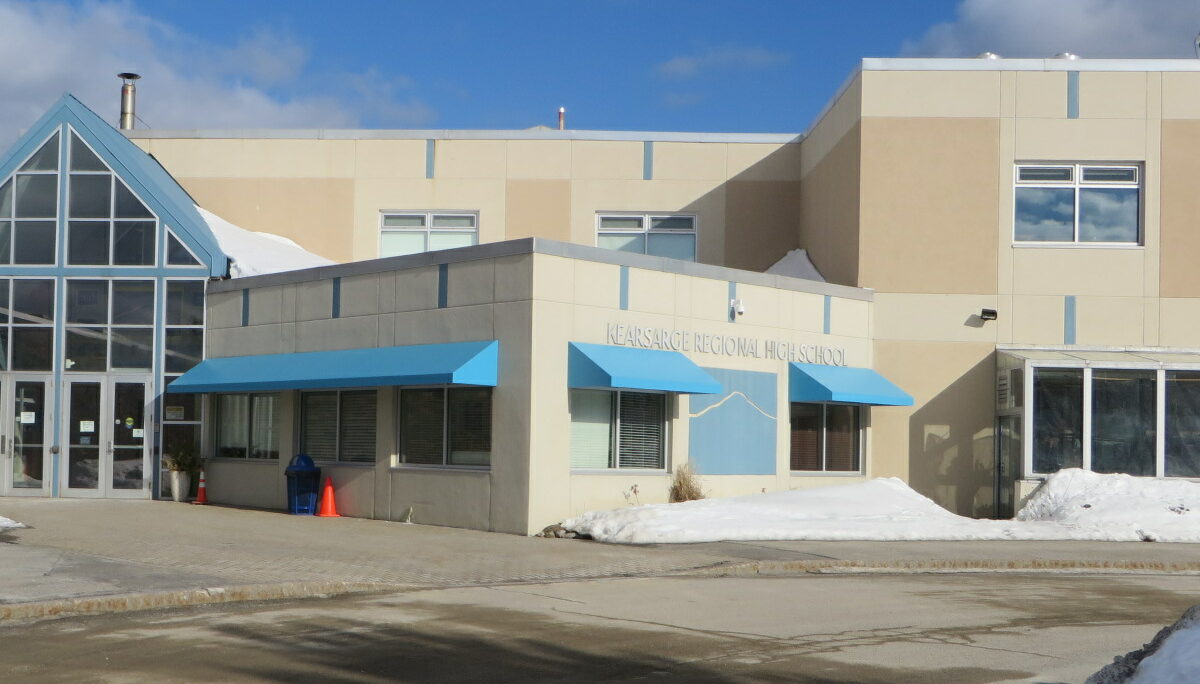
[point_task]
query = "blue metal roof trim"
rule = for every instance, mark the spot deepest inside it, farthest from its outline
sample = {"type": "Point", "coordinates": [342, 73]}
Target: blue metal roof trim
{"type": "Point", "coordinates": [604, 366]}
{"type": "Point", "coordinates": [810, 382]}
{"type": "Point", "coordinates": [455, 363]}
{"type": "Point", "coordinates": [161, 192]}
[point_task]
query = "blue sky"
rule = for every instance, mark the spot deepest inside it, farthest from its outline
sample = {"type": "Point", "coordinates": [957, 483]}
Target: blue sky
{"type": "Point", "coordinates": [739, 66]}
{"type": "Point", "coordinates": [747, 66]}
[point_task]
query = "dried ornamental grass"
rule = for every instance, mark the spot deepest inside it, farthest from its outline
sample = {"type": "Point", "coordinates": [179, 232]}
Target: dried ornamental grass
{"type": "Point", "coordinates": [685, 485]}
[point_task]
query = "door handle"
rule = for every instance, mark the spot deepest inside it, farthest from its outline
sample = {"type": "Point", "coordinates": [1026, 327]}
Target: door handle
{"type": "Point", "coordinates": [110, 449]}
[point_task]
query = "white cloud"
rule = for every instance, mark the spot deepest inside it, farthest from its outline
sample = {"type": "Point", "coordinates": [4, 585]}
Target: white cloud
{"type": "Point", "coordinates": [50, 48]}
{"type": "Point", "coordinates": [1043, 28]}
{"type": "Point", "coordinates": [726, 58]}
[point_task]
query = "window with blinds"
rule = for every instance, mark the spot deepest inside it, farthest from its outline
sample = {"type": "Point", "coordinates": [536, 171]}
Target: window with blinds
{"type": "Point", "coordinates": [338, 425]}
{"type": "Point", "coordinates": [247, 426]}
{"type": "Point", "coordinates": [826, 438]}
{"type": "Point", "coordinates": [617, 429]}
{"type": "Point", "coordinates": [446, 426]}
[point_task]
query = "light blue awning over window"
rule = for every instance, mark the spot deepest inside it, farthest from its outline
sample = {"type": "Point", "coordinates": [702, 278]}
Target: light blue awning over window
{"type": "Point", "coordinates": [602, 365]}
{"type": "Point", "coordinates": [810, 382]}
{"type": "Point", "coordinates": [456, 363]}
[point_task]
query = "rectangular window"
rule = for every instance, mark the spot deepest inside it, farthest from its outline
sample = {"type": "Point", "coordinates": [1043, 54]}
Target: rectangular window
{"type": "Point", "coordinates": [1124, 429]}
{"type": "Point", "coordinates": [664, 235]}
{"type": "Point", "coordinates": [415, 232]}
{"type": "Point", "coordinates": [1182, 458]}
{"type": "Point", "coordinates": [338, 425]}
{"type": "Point", "coordinates": [110, 325]}
{"type": "Point", "coordinates": [618, 429]}
{"type": "Point", "coordinates": [247, 425]}
{"type": "Point", "coordinates": [1057, 419]}
{"type": "Point", "coordinates": [446, 426]}
{"type": "Point", "coordinates": [1078, 204]}
{"type": "Point", "coordinates": [826, 438]}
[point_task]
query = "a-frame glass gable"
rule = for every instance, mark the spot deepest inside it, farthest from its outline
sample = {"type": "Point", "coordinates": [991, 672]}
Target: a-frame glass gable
{"type": "Point", "coordinates": [103, 265]}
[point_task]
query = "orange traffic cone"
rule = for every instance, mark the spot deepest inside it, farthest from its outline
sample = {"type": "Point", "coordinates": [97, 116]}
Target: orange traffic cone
{"type": "Point", "coordinates": [328, 505]}
{"type": "Point", "coordinates": [201, 491]}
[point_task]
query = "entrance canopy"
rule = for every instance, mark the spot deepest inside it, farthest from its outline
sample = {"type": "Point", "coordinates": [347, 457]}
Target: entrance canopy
{"type": "Point", "coordinates": [810, 382]}
{"type": "Point", "coordinates": [456, 363]}
{"type": "Point", "coordinates": [604, 366]}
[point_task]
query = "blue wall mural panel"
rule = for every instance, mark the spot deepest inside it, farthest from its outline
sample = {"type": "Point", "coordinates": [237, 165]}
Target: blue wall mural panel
{"type": "Point", "coordinates": [733, 433]}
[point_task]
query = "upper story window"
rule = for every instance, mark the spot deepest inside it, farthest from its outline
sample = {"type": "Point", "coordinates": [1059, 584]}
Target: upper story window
{"type": "Point", "coordinates": [29, 209]}
{"type": "Point", "coordinates": [414, 232]}
{"type": "Point", "coordinates": [107, 223]}
{"type": "Point", "coordinates": [1078, 204]}
{"type": "Point", "coordinates": [664, 235]}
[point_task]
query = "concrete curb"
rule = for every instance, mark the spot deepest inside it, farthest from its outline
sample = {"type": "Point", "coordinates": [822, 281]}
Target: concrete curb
{"type": "Point", "coordinates": [119, 603]}
{"type": "Point", "coordinates": [782, 568]}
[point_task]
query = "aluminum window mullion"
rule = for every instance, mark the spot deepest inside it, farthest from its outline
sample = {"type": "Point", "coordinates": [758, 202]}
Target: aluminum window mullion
{"type": "Point", "coordinates": [614, 456]}
{"type": "Point", "coordinates": [445, 427]}
{"type": "Point", "coordinates": [824, 436]}
{"type": "Point", "coordinates": [337, 427]}
{"type": "Point", "coordinates": [1160, 423]}
{"type": "Point", "coordinates": [1087, 418]}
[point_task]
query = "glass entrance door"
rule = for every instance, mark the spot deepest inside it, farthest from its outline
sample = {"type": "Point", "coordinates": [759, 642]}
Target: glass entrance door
{"type": "Point", "coordinates": [105, 437]}
{"type": "Point", "coordinates": [23, 443]}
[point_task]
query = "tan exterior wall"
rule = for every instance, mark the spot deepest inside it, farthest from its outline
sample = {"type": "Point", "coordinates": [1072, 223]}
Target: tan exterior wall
{"type": "Point", "coordinates": [928, 211]}
{"type": "Point", "coordinates": [1180, 207]}
{"type": "Point", "coordinates": [327, 195]}
{"type": "Point", "coordinates": [830, 210]}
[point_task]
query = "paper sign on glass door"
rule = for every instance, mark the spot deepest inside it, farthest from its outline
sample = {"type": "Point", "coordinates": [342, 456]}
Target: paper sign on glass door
{"type": "Point", "coordinates": [87, 426]}
{"type": "Point", "coordinates": [28, 417]}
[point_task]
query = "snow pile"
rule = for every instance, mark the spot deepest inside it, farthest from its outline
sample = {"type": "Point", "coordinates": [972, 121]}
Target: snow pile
{"type": "Point", "coordinates": [797, 265]}
{"type": "Point", "coordinates": [1126, 506]}
{"type": "Point", "coordinates": [254, 253]}
{"type": "Point", "coordinates": [1177, 660]}
{"type": "Point", "coordinates": [887, 509]}
{"type": "Point", "coordinates": [9, 523]}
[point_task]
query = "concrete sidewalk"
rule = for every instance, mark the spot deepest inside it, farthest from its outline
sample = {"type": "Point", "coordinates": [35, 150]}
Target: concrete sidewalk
{"type": "Point", "coordinates": [101, 555]}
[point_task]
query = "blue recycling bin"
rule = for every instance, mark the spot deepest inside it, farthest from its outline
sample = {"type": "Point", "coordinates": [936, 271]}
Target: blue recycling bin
{"type": "Point", "coordinates": [303, 480]}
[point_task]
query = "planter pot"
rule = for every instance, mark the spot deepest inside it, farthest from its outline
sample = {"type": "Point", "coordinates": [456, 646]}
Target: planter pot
{"type": "Point", "coordinates": [181, 483]}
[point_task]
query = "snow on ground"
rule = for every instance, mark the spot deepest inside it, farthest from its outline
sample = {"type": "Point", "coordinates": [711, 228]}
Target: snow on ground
{"type": "Point", "coordinates": [797, 265]}
{"type": "Point", "coordinates": [1177, 660]}
{"type": "Point", "coordinates": [9, 523]}
{"type": "Point", "coordinates": [258, 253]}
{"type": "Point", "coordinates": [1074, 504]}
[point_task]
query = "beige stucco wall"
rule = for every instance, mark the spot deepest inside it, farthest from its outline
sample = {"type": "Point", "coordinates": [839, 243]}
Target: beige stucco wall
{"type": "Point", "coordinates": [327, 195]}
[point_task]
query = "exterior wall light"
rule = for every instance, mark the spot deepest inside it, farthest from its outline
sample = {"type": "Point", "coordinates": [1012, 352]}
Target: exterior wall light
{"type": "Point", "coordinates": [988, 314]}
{"type": "Point", "coordinates": [736, 308]}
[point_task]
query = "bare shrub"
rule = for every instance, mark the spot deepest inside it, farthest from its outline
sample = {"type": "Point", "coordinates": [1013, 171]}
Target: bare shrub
{"type": "Point", "coordinates": [685, 485]}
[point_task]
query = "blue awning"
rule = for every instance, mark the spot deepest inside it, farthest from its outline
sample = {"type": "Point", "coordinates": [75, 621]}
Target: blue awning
{"type": "Point", "coordinates": [810, 382]}
{"type": "Point", "coordinates": [456, 363]}
{"type": "Point", "coordinates": [602, 365]}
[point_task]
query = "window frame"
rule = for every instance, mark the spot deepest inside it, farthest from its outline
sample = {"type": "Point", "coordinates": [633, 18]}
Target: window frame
{"type": "Point", "coordinates": [158, 251]}
{"type": "Point", "coordinates": [1076, 184]}
{"type": "Point", "coordinates": [55, 350]}
{"type": "Point", "coordinates": [337, 433]}
{"type": "Point", "coordinates": [646, 230]}
{"type": "Point", "coordinates": [167, 327]}
{"type": "Point", "coordinates": [861, 416]}
{"type": "Point", "coordinates": [249, 436]}
{"type": "Point", "coordinates": [614, 426]}
{"type": "Point", "coordinates": [60, 192]}
{"type": "Point", "coordinates": [428, 229]}
{"type": "Point", "coordinates": [109, 325]}
{"type": "Point", "coordinates": [398, 461]}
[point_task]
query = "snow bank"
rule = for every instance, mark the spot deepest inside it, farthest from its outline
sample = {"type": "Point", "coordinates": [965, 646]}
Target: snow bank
{"type": "Point", "coordinates": [254, 253]}
{"type": "Point", "coordinates": [9, 523]}
{"type": "Point", "coordinates": [1130, 507]}
{"type": "Point", "coordinates": [887, 509]}
{"type": "Point", "coordinates": [797, 265]}
{"type": "Point", "coordinates": [1177, 660]}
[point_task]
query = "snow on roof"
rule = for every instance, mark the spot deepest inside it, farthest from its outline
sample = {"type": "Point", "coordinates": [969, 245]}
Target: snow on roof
{"type": "Point", "coordinates": [797, 265]}
{"type": "Point", "coordinates": [251, 253]}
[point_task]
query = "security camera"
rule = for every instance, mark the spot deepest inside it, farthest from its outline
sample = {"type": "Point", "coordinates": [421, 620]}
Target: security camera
{"type": "Point", "coordinates": [737, 306]}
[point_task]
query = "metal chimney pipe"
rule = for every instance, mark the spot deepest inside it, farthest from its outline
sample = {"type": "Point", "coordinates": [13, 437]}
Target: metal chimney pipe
{"type": "Point", "coordinates": [128, 99]}
{"type": "Point", "coordinates": [562, 118]}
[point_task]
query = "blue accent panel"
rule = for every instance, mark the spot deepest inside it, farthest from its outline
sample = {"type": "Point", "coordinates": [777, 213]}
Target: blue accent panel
{"type": "Point", "coordinates": [826, 326]}
{"type": "Point", "coordinates": [732, 296]}
{"type": "Point", "coordinates": [245, 307]}
{"type": "Point", "coordinates": [624, 295]}
{"type": "Point", "coordinates": [160, 298]}
{"type": "Point", "coordinates": [648, 160]}
{"type": "Point", "coordinates": [141, 172]}
{"type": "Point", "coordinates": [734, 432]}
{"type": "Point", "coordinates": [1069, 319]}
{"type": "Point", "coordinates": [443, 285]}
{"type": "Point", "coordinates": [608, 366]}
{"type": "Point", "coordinates": [810, 382]}
{"type": "Point", "coordinates": [457, 363]}
{"type": "Point", "coordinates": [430, 157]}
{"type": "Point", "coordinates": [1072, 94]}
{"type": "Point", "coordinates": [337, 297]}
